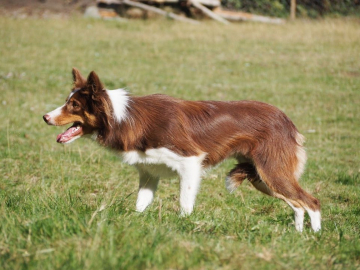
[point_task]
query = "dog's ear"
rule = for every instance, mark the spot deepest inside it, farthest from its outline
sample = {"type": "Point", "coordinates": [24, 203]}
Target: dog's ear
{"type": "Point", "coordinates": [79, 80]}
{"type": "Point", "coordinates": [94, 84]}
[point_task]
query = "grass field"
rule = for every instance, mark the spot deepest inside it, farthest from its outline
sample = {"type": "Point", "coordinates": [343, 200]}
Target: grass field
{"type": "Point", "coordinates": [72, 207]}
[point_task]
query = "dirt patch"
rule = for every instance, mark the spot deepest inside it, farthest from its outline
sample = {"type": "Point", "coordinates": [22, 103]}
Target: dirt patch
{"type": "Point", "coordinates": [43, 8]}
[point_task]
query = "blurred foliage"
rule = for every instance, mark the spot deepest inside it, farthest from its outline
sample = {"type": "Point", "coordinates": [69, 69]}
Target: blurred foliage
{"type": "Point", "coordinates": [305, 8]}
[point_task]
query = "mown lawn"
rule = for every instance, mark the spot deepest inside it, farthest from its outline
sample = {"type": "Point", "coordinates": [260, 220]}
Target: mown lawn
{"type": "Point", "coordinates": [72, 207]}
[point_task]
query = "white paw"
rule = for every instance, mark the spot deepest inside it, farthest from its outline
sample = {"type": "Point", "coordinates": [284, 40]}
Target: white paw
{"type": "Point", "coordinates": [186, 211]}
{"type": "Point", "coordinates": [140, 208]}
{"type": "Point", "coordinates": [299, 219]}
{"type": "Point", "coordinates": [315, 217]}
{"type": "Point", "coordinates": [299, 227]}
{"type": "Point", "coordinates": [144, 199]}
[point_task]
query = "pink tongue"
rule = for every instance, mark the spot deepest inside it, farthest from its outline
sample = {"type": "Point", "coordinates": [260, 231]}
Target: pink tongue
{"type": "Point", "coordinates": [68, 134]}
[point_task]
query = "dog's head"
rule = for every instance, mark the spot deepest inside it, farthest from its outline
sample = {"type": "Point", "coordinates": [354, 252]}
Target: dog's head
{"type": "Point", "coordinates": [86, 108]}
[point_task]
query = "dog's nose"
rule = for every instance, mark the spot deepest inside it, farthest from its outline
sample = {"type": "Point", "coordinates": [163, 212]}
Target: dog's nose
{"type": "Point", "coordinates": [46, 118]}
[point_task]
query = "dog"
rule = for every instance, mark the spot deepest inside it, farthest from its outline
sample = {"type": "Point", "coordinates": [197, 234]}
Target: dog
{"type": "Point", "coordinates": [165, 136]}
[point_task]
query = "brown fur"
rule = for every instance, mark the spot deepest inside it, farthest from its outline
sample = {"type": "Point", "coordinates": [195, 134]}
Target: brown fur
{"type": "Point", "coordinates": [261, 133]}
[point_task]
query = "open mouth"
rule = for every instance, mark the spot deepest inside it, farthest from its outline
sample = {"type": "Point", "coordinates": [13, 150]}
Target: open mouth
{"type": "Point", "coordinates": [70, 134]}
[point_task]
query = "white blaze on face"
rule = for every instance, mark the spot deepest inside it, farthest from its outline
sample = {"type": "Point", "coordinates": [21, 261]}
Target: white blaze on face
{"type": "Point", "coordinates": [57, 112]}
{"type": "Point", "coordinates": [54, 114]}
{"type": "Point", "coordinates": [72, 133]}
{"type": "Point", "coordinates": [73, 92]}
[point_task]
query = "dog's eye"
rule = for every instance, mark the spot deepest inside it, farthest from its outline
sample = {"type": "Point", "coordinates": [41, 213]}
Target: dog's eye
{"type": "Point", "coordinates": [75, 105]}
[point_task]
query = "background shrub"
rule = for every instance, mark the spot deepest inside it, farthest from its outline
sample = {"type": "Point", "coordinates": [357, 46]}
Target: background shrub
{"type": "Point", "coordinates": [305, 8]}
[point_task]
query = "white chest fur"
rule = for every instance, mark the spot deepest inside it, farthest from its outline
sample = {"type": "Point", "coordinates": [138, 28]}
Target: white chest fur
{"type": "Point", "coordinates": [162, 161]}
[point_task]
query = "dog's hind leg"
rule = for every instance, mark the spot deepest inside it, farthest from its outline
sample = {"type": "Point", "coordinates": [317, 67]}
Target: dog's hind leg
{"type": "Point", "coordinates": [299, 214]}
{"type": "Point", "coordinates": [287, 190]}
{"type": "Point", "coordinates": [297, 207]}
{"type": "Point", "coordinates": [284, 186]}
{"type": "Point", "coordinates": [237, 175]}
{"type": "Point", "coordinates": [247, 171]}
{"type": "Point", "coordinates": [147, 187]}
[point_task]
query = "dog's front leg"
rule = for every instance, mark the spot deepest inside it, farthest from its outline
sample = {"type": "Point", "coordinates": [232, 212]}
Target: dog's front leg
{"type": "Point", "coordinates": [190, 178]}
{"type": "Point", "coordinates": [147, 187]}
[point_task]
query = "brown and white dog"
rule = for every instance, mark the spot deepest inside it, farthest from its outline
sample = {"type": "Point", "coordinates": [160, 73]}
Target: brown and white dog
{"type": "Point", "coordinates": [165, 136]}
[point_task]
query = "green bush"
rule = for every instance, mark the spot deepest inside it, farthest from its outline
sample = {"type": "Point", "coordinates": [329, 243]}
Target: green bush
{"type": "Point", "coordinates": [305, 8]}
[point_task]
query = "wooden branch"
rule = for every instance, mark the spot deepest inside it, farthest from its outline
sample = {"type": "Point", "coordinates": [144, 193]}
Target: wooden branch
{"type": "Point", "coordinates": [159, 11]}
{"type": "Point", "coordinates": [292, 9]}
{"type": "Point", "coordinates": [209, 12]}
{"type": "Point", "coordinates": [243, 16]}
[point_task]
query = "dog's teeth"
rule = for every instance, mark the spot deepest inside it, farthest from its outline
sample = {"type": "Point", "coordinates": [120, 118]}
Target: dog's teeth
{"type": "Point", "coordinates": [75, 129]}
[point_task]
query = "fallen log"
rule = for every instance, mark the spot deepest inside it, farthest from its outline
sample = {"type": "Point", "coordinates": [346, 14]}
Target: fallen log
{"type": "Point", "coordinates": [159, 11]}
{"type": "Point", "coordinates": [209, 12]}
{"type": "Point", "coordinates": [243, 16]}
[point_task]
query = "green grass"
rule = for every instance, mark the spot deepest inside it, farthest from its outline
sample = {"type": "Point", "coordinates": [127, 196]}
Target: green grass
{"type": "Point", "coordinates": [73, 207]}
